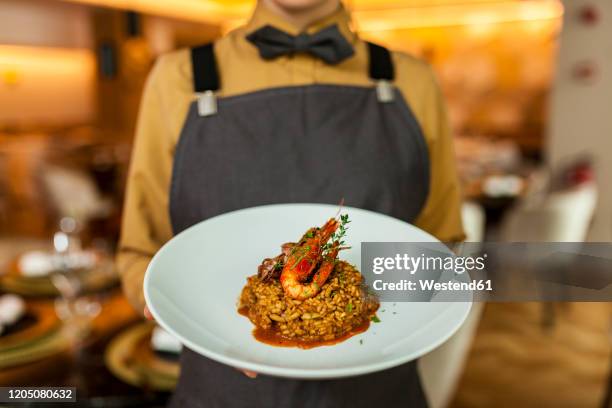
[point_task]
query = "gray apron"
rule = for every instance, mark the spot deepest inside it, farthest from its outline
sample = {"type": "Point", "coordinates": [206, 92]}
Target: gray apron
{"type": "Point", "coordinates": [316, 143]}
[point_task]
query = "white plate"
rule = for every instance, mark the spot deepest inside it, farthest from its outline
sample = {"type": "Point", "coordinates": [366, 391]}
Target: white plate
{"type": "Point", "coordinates": [193, 283]}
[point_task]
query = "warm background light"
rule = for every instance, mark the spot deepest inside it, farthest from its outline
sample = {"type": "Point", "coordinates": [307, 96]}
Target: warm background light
{"type": "Point", "coordinates": [33, 78]}
{"type": "Point", "coordinates": [207, 11]}
{"type": "Point", "coordinates": [369, 15]}
{"type": "Point", "coordinates": [438, 15]}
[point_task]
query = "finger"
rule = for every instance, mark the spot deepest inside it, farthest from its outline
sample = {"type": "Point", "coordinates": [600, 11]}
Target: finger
{"type": "Point", "coordinates": [250, 374]}
{"type": "Point", "coordinates": [147, 314]}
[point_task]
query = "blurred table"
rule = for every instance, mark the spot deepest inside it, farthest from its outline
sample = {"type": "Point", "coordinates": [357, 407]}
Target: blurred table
{"type": "Point", "coordinates": [84, 367]}
{"type": "Point", "coordinates": [485, 161]}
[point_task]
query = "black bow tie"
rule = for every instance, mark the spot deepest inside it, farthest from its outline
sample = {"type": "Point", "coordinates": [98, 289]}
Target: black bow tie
{"type": "Point", "coordinates": [327, 44]}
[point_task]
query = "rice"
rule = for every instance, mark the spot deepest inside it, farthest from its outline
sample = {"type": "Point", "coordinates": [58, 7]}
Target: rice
{"type": "Point", "coordinates": [342, 305]}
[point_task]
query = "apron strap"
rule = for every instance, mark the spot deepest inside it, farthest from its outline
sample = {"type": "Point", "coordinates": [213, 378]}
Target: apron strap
{"type": "Point", "coordinates": [204, 67]}
{"type": "Point", "coordinates": [205, 78]}
{"type": "Point", "coordinates": [381, 65]}
{"type": "Point", "coordinates": [381, 70]}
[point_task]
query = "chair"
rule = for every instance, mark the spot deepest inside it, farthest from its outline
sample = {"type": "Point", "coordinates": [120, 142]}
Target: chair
{"type": "Point", "coordinates": [73, 193]}
{"type": "Point", "coordinates": [561, 216]}
{"type": "Point", "coordinates": [441, 369]}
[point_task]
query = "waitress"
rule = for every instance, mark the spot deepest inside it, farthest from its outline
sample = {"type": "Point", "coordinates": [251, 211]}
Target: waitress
{"type": "Point", "coordinates": [292, 107]}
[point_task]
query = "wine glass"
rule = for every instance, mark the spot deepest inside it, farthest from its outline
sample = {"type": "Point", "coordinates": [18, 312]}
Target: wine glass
{"type": "Point", "coordinates": [73, 305]}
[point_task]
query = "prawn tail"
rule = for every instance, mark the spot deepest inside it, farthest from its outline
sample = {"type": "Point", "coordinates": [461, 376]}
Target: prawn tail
{"type": "Point", "coordinates": [321, 276]}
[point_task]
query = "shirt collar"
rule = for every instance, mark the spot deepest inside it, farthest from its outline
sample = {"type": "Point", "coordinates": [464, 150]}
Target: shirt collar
{"type": "Point", "coordinates": [263, 16]}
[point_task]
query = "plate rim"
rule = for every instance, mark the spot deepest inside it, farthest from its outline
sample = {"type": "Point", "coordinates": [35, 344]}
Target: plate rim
{"type": "Point", "coordinates": [296, 373]}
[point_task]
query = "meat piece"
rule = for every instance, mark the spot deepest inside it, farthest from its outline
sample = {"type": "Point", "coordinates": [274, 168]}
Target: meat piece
{"type": "Point", "coordinates": [271, 268]}
{"type": "Point", "coordinates": [286, 249]}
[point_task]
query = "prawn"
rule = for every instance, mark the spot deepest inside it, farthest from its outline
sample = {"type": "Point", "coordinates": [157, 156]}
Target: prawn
{"type": "Point", "coordinates": [304, 259]}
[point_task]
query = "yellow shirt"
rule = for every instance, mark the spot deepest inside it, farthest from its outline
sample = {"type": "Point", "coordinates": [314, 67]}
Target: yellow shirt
{"type": "Point", "coordinates": [169, 91]}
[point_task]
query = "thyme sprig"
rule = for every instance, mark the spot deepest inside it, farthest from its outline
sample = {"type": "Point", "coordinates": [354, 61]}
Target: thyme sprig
{"type": "Point", "coordinates": [337, 238]}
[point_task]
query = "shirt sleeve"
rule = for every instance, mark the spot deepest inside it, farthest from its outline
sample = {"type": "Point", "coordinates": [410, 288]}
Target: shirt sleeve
{"type": "Point", "coordinates": [145, 223]}
{"type": "Point", "coordinates": [441, 215]}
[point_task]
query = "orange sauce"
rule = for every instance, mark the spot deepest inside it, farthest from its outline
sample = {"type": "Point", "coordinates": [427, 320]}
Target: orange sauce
{"type": "Point", "coordinates": [274, 338]}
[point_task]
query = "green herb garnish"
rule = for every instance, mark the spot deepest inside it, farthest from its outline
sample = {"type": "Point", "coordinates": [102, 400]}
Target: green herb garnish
{"type": "Point", "coordinates": [349, 308]}
{"type": "Point", "coordinates": [375, 319]}
{"type": "Point", "coordinates": [337, 237]}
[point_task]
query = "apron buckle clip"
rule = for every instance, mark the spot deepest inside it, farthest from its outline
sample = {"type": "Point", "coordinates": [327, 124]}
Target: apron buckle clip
{"type": "Point", "coordinates": [207, 103]}
{"type": "Point", "coordinates": [384, 91]}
